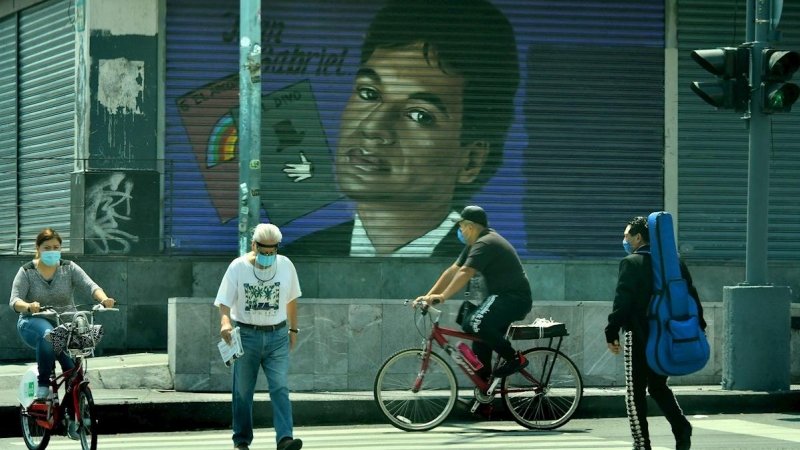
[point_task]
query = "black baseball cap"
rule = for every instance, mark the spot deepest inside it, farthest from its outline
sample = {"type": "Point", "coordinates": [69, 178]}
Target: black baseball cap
{"type": "Point", "coordinates": [474, 214]}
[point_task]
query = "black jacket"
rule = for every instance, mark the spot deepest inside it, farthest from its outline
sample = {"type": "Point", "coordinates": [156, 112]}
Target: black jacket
{"type": "Point", "coordinates": [634, 290]}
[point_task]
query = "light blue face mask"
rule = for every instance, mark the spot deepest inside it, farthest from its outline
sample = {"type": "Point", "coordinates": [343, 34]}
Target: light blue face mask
{"type": "Point", "coordinates": [461, 237]}
{"type": "Point", "coordinates": [627, 247]}
{"type": "Point", "coordinates": [265, 260]}
{"type": "Point", "coordinates": [50, 258]}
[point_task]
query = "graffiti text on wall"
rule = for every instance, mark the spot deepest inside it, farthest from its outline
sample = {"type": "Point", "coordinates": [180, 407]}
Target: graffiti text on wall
{"type": "Point", "coordinates": [277, 58]}
{"type": "Point", "coordinates": [108, 202]}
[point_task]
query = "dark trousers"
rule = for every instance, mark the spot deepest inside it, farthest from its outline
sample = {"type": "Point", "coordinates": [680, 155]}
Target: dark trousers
{"type": "Point", "coordinates": [638, 378]}
{"type": "Point", "coordinates": [490, 322]}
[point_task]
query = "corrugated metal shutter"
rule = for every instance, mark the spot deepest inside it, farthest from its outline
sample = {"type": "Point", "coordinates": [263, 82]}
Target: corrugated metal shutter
{"type": "Point", "coordinates": [585, 147]}
{"type": "Point", "coordinates": [8, 135]}
{"type": "Point", "coordinates": [46, 120]}
{"type": "Point", "coordinates": [597, 143]}
{"type": "Point", "coordinates": [713, 146]}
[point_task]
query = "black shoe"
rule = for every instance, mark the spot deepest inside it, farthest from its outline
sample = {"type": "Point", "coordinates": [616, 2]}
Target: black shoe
{"type": "Point", "coordinates": [511, 366]}
{"type": "Point", "coordinates": [288, 443]}
{"type": "Point", "coordinates": [241, 446]}
{"type": "Point", "coordinates": [683, 440]}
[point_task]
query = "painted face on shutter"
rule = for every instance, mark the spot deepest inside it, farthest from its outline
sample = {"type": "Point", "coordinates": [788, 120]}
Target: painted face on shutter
{"type": "Point", "coordinates": [400, 133]}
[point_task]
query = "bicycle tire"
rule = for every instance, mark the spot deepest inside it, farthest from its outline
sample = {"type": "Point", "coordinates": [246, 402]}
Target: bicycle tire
{"type": "Point", "coordinates": [35, 436]}
{"type": "Point", "coordinates": [415, 411]}
{"type": "Point", "coordinates": [87, 420]}
{"type": "Point", "coordinates": [543, 407]}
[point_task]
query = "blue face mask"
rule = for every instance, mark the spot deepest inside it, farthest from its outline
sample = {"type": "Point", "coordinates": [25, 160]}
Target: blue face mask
{"type": "Point", "coordinates": [461, 237]}
{"type": "Point", "coordinates": [265, 260]}
{"type": "Point", "coordinates": [50, 258]}
{"type": "Point", "coordinates": [627, 247]}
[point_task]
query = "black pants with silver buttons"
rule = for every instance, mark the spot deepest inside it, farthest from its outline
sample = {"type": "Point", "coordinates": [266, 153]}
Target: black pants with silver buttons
{"type": "Point", "coordinates": [640, 378]}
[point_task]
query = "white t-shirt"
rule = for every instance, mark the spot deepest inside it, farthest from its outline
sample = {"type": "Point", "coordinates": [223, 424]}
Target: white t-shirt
{"type": "Point", "coordinates": [258, 297]}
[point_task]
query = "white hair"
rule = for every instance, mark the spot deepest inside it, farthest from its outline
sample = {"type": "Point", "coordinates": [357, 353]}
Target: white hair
{"type": "Point", "coordinates": [265, 232]}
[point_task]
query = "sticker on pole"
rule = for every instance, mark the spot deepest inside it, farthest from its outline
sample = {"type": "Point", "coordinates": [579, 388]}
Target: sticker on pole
{"type": "Point", "coordinates": [27, 387]}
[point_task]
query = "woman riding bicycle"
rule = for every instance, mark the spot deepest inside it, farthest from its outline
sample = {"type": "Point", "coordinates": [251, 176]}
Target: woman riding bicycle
{"type": "Point", "coordinates": [52, 281]}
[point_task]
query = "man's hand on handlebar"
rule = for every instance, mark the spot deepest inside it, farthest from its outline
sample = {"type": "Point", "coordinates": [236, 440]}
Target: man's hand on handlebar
{"type": "Point", "coordinates": [433, 299]}
{"type": "Point", "coordinates": [34, 307]}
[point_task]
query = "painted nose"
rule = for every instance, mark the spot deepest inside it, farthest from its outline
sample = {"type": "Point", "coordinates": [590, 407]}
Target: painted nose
{"type": "Point", "coordinates": [378, 125]}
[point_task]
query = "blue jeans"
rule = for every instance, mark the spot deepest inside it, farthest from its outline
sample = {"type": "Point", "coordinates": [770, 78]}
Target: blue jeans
{"type": "Point", "coordinates": [270, 351]}
{"type": "Point", "coordinates": [32, 331]}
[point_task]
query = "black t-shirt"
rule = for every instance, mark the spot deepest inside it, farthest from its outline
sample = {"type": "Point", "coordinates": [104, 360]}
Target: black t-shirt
{"type": "Point", "coordinates": [498, 262]}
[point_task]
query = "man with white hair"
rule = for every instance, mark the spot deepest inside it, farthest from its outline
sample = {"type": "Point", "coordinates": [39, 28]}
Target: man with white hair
{"type": "Point", "coordinates": [258, 293]}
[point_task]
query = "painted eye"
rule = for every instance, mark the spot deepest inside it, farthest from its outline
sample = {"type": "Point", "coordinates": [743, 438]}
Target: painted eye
{"type": "Point", "coordinates": [421, 117]}
{"type": "Point", "coordinates": [368, 94]}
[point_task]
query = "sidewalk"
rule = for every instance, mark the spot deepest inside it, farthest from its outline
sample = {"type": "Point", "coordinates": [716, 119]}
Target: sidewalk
{"type": "Point", "coordinates": [133, 394]}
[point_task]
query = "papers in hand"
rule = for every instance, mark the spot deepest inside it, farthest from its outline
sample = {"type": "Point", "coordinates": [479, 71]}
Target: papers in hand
{"type": "Point", "coordinates": [231, 352]}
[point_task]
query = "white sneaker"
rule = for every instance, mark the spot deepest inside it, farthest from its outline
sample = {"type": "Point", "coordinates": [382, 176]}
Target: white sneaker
{"type": "Point", "coordinates": [42, 392]}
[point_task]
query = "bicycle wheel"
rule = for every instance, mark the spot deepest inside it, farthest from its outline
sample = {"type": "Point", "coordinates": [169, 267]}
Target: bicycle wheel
{"type": "Point", "coordinates": [543, 406]}
{"type": "Point", "coordinates": [87, 421]}
{"type": "Point", "coordinates": [35, 436]}
{"type": "Point", "coordinates": [395, 392]}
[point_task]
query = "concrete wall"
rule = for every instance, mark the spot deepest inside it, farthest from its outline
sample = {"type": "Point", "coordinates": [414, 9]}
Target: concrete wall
{"type": "Point", "coordinates": [142, 285]}
{"type": "Point", "coordinates": [342, 343]}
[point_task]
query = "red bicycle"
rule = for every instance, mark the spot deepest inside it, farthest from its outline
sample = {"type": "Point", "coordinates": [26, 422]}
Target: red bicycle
{"type": "Point", "coordinates": [74, 415]}
{"type": "Point", "coordinates": [416, 389]}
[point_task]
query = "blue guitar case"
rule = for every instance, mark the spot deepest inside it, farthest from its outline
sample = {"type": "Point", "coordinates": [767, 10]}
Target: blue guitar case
{"type": "Point", "coordinates": [676, 345]}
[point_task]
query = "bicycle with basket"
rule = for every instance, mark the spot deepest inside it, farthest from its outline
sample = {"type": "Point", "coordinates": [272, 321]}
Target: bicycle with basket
{"type": "Point", "coordinates": [416, 388]}
{"type": "Point", "coordinates": [74, 414]}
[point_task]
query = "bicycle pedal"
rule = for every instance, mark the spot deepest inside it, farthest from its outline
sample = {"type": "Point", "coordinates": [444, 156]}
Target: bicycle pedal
{"type": "Point", "coordinates": [475, 406]}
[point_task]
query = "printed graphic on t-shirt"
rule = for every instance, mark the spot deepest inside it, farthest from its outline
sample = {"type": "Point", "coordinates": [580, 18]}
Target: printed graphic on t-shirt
{"type": "Point", "coordinates": [262, 298]}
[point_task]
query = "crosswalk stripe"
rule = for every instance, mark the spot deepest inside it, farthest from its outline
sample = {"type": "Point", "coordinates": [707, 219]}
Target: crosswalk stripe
{"type": "Point", "coordinates": [471, 438]}
{"type": "Point", "coordinates": [739, 426]}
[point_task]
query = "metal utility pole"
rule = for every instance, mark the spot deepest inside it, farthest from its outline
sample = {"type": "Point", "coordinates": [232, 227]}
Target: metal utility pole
{"type": "Point", "coordinates": [757, 315]}
{"type": "Point", "coordinates": [249, 121]}
{"type": "Point", "coordinates": [751, 79]}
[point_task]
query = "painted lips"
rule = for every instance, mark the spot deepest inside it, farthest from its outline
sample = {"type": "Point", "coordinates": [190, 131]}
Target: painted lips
{"type": "Point", "coordinates": [362, 160]}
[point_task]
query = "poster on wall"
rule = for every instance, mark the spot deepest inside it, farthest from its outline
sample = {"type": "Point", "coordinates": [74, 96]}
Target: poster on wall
{"type": "Point", "coordinates": [380, 121]}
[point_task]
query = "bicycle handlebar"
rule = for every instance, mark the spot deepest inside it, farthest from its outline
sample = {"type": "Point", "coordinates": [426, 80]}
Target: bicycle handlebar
{"type": "Point", "coordinates": [424, 309]}
{"type": "Point", "coordinates": [50, 311]}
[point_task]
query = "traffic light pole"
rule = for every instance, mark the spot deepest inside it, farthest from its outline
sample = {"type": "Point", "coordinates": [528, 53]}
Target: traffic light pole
{"type": "Point", "coordinates": [249, 193]}
{"type": "Point", "coordinates": [757, 316]}
{"type": "Point", "coordinates": [758, 164]}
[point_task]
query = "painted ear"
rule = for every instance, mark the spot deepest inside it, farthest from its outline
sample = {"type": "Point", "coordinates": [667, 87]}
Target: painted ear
{"type": "Point", "coordinates": [477, 151]}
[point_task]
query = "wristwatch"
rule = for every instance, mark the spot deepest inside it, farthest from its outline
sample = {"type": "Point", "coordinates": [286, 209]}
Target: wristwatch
{"type": "Point", "coordinates": [294, 330]}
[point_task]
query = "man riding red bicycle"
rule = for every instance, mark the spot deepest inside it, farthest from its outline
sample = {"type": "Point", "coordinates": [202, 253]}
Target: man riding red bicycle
{"type": "Point", "coordinates": [509, 294]}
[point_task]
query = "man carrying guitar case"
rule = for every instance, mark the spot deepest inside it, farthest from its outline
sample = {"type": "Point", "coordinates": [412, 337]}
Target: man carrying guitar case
{"type": "Point", "coordinates": [635, 288]}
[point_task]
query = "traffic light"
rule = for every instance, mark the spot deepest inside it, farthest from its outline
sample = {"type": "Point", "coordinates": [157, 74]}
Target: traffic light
{"type": "Point", "coordinates": [779, 66]}
{"type": "Point", "coordinates": [731, 65]}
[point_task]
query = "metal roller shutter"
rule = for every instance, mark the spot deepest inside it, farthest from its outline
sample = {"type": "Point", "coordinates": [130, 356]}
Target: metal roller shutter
{"type": "Point", "coordinates": [8, 135]}
{"type": "Point", "coordinates": [46, 120]}
{"type": "Point", "coordinates": [714, 146]}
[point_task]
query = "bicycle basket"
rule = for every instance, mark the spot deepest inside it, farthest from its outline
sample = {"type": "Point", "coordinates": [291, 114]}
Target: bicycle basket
{"type": "Point", "coordinates": [73, 336]}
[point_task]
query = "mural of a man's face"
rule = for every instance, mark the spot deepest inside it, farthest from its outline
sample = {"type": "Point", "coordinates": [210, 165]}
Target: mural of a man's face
{"type": "Point", "coordinates": [400, 132]}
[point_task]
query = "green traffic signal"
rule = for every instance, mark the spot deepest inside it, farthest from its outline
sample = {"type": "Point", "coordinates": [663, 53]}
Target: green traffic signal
{"type": "Point", "coordinates": [783, 97]}
{"type": "Point", "coordinates": [779, 66]}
